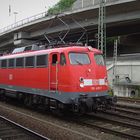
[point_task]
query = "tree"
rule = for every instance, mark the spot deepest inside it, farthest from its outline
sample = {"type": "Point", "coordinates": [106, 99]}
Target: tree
{"type": "Point", "coordinates": [62, 5]}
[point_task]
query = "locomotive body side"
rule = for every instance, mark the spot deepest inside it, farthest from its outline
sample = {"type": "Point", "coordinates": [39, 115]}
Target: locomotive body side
{"type": "Point", "coordinates": [73, 76]}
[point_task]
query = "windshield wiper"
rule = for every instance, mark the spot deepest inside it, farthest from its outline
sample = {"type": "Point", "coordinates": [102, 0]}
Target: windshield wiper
{"type": "Point", "coordinates": [77, 61]}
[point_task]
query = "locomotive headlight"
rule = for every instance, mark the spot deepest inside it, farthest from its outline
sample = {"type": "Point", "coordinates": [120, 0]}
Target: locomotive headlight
{"type": "Point", "coordinates": [81, 85]}
{"type": "Point", "coordinates": [81, 79]}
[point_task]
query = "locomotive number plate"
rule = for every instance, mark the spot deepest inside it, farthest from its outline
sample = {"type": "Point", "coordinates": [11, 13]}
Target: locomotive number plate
{"type": "Point", "coordinates": [88, 82]}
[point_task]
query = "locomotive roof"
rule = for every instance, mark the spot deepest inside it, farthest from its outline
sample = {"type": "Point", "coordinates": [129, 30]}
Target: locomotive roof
{"type": "Point", "coordinates": [48, 51]}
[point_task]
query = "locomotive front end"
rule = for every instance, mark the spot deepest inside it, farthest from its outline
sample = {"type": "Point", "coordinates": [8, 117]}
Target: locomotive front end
{"type": "Point", "coordinates": [89, 77]}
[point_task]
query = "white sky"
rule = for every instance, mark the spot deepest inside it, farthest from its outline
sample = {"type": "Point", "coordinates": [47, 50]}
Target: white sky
{"type": "Point", "coordinates": [24, 8]}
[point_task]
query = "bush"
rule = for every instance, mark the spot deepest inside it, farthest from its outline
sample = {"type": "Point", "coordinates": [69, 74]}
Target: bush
{"type": "Point", "coordinates": [62, 5]}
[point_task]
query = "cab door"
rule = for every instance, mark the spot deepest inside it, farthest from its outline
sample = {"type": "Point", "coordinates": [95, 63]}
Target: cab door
{"type": "Point", "coordinates": [54, 66]}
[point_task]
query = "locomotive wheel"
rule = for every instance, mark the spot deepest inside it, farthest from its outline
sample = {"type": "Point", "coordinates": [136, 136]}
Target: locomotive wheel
{"type": "Point", "coordinates": [60, 110]}
{"type": "Point", "coordinates": [83, 108]}
{"type": "Point", "coordinates": [2, 95]}
{"type": "Point", "coordinates": [28, 101]}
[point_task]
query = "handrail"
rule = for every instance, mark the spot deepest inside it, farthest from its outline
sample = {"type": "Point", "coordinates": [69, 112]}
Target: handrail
{"type": "Point", "coordinates": [22, 22]}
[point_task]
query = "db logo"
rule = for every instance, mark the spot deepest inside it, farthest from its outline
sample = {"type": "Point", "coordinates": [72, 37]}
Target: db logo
{"type": "Point", "coordinates": [10, 76]}
{"type": "Point", "coordinates": [92, 88]}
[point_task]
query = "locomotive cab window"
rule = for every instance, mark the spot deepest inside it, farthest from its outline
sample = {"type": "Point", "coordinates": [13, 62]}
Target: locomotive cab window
{"type": "Point", "coordinates": [79, 58]}
{"type": "Point", "coordinates": [99, 59]}
{"type": "Point", "coordinates": [29, 61]}
{"type": "Point", "coordinates": [62, 59]}
{"type": "Point", "coordinates": [54, 59]}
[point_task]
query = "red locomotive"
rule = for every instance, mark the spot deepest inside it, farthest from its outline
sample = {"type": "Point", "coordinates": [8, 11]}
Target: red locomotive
{"type": "Point", "coordinates": [71, 77]}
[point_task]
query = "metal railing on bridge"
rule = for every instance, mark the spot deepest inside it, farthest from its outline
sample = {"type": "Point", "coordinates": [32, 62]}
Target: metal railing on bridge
{"type": "Point", "coordinates": [79, 4]}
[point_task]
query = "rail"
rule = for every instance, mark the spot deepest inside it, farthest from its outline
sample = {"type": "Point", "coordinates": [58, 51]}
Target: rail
{"type": "Point", "coordinates": [26, 130]}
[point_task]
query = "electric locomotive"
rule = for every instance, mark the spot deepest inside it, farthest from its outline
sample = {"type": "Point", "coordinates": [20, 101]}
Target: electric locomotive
{"type": "Point", "coordinates": [72, 77]}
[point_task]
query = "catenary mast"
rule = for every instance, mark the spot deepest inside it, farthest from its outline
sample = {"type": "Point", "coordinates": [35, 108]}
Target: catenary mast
{"type": "Point", "coordinates": [102, 27]}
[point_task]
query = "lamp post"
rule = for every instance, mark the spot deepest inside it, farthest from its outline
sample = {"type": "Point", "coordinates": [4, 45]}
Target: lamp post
{"type": "Point", "coordinates": [15, 14]}
{"type": "Point", "coordinates": [93, 2]}
{"type": "Point", "coordinates": [82, 3]}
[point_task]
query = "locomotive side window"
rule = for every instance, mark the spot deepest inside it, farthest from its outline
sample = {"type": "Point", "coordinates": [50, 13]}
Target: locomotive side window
{"type": "Point", "coordinates": [41, 60]}
{"type": "Point", "coordinates": [11, 63]}
{"type": "Point", "coordinates": [54, 59]}
{"type": "Point", "coordinates": [3, 63]}
{"type": "Point", "coordinates": [19, 62]}
{"type": "Point", "coordinates": [99, 59]}
{"type": "Point", "coordinates": [62, 59]}
{"type": "Point", "coordinates": [29, 61]}
{"type": "Point", "coordinates": [79, 58]}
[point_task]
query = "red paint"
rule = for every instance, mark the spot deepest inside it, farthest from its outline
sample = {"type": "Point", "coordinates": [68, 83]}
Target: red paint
{"type": "Point", "coordinates": [68, 75]}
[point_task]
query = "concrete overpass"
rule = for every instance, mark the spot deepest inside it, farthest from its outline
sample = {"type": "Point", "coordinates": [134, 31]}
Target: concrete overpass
{"type": "Point", "coordinates": [123, 17]}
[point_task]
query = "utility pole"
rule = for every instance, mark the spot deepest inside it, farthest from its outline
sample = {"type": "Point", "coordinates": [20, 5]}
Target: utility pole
{"type": "Point", "coordinates": [115, 60]}
{"type": "Point", "coordinates": [102, 27]}
{"type": "Point", "coordinates": [15, 14]}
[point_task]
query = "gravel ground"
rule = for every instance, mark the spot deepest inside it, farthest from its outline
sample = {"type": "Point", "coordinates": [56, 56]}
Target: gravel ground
{"type": "Point", "coordinates": [51, 126]}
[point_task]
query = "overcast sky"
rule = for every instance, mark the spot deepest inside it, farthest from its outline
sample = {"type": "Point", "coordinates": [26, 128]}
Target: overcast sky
{"type": "Point", "coordinates": [24, 8]}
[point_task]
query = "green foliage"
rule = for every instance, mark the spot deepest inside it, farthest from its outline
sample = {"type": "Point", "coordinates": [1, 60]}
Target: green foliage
{"type": "Point", "coordinates": [62, 5]}
{"type": "Point", "coordinates": [110, 92]}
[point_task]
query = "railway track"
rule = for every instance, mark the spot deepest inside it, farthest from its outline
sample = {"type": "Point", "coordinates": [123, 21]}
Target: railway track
{"type": "Point", "coordinates": [130, 100]}
{"type": "Point", "coordinates": [10, 130]}
{"type": "Point", "coordinates": [128, 106]}
{"type": "Point", "coordinates": [121, 114]}
{"type": "Point", "coordinates": [127, 111]}
{"type": "Point", "coordinates": [120, 123]}
{"type": "Point", "coordinates": [123, 122]}
{"type": "Point", "coordinates": [33, 122]}
{"type": "Point", "coordinates": [106, 123]}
